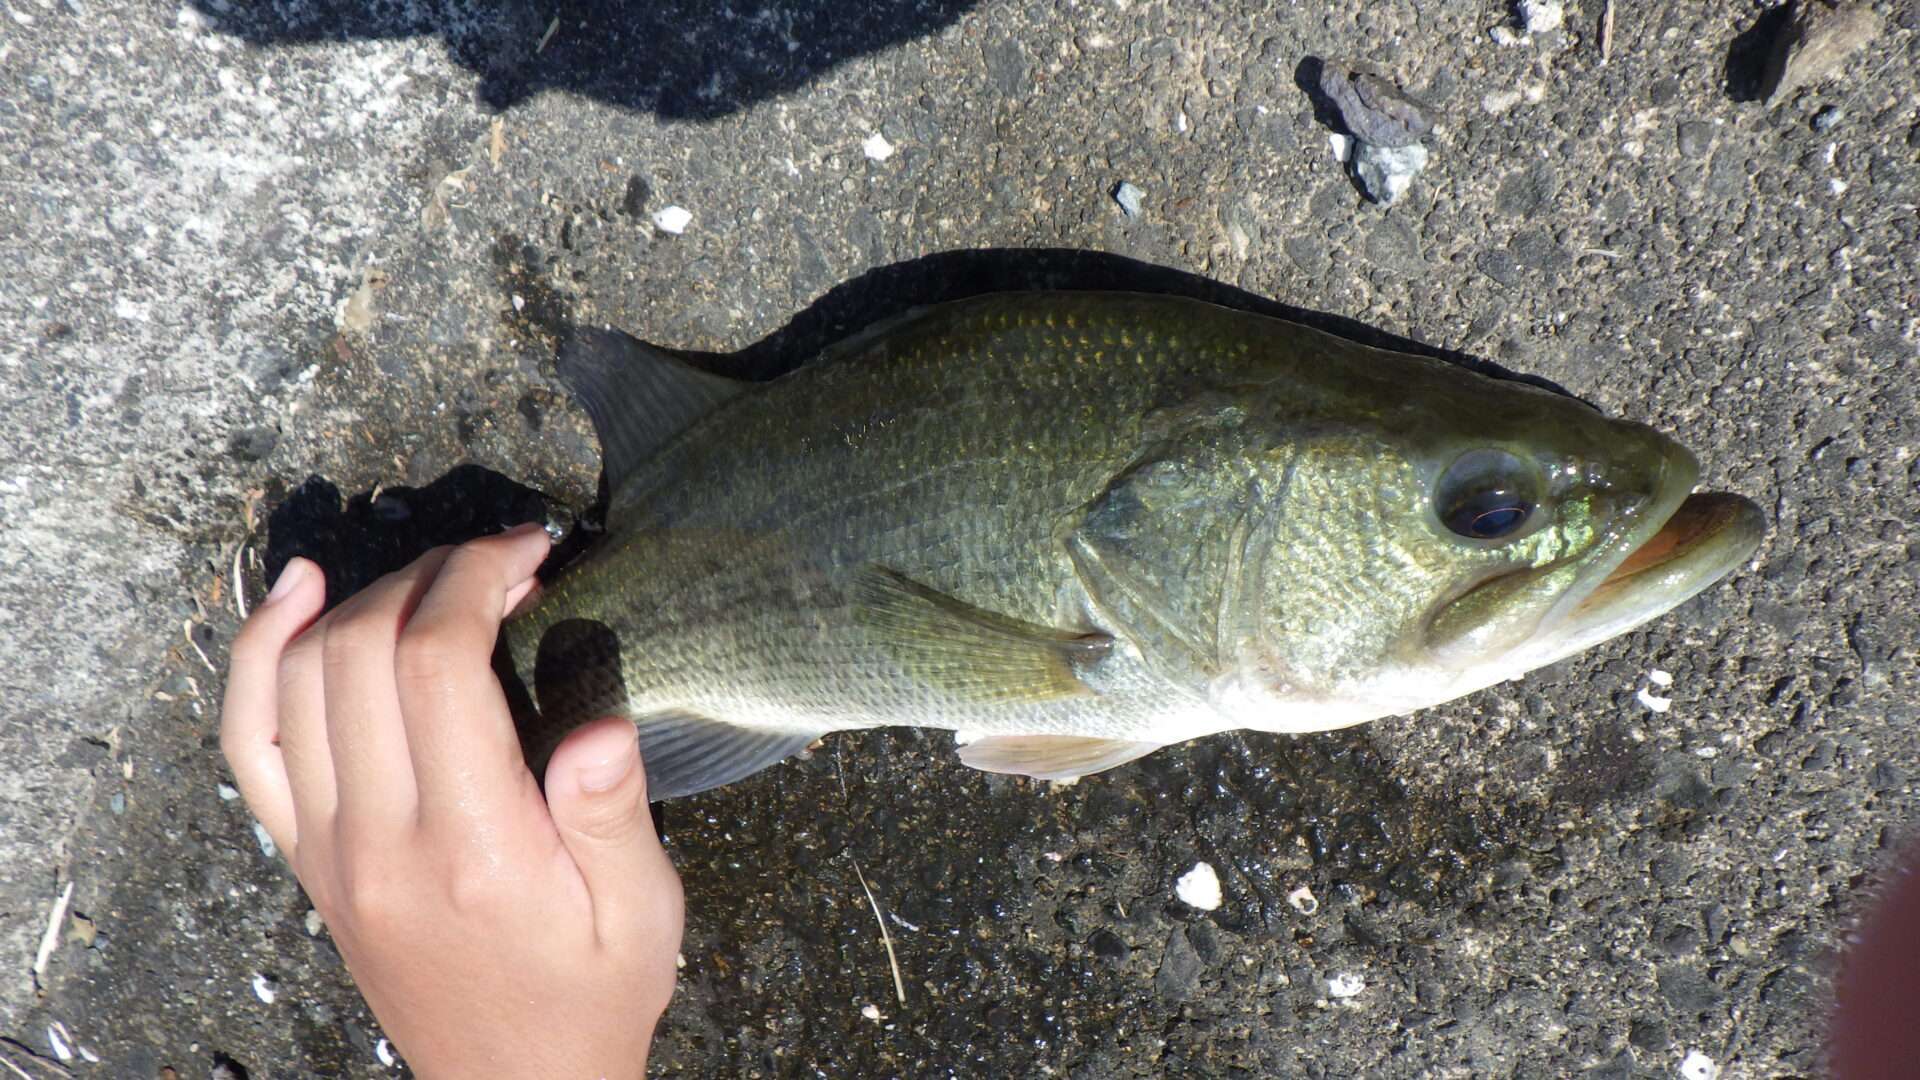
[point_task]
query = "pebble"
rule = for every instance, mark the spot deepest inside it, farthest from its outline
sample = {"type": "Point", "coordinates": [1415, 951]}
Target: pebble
{"type": "Point", "coordinates": [1391, 244]}
{"type": "Point", "coordinates": [81, 929]}
{"type": "Point", "coordinates": [876, 147]}
{"type": "Point", "coordinates": [1128, 197]}
{"type": "Point", "coordinates": [314, 923]}
{"type": "Point", "coordinates": [1199, 887]}
{"type": "Point", "coordinates": [1499, 101]}
{"type": "Point", "coordinates": [1885, 776]}
{"type": "Point", "coordinates": [1373, 108]}
{"type": "Point", "coordinates": [228, 792]}
{"type": "Point", "coordinates": [252, 443]}
{"type": "Point", "coordinates": [1180, 968]}
{"type": "Point", "coordinates": [1695, 138]}
{"type": "Point", "coordinates": [1385, 172]}
{"type": "Point", "coordinates": [1649, 1034]}
{"type": "Point", "coordinates": [384, 1051]}
{"type": "Point", "coordinates": [265, 988]}
{"type": "Point", "coordinates": [1109, 946]}
{"type": "Point", "coordinates": [1698, 1066]}
{"type": "Point", "coordinates": [56, 1038]}
{"type": "Point", "coordinates": [266, 842]}
{"type": "Point", "coordinates": [1826, 119]}
{"type": "Point", "coordinates": [1303, 900]}
{"type": "Point", "coordinates": [1307, 254]}
{"type": "Point", "coordinates": [1345, 985]}
{"type": "Point", "coordinates": [1816, 41]}
{"type": "Point", "coordinates": [672, 220]}
{"type": "Point", "coordinates": [1541, 16]}
{"type": "Point", "coordinates": [118, 802]}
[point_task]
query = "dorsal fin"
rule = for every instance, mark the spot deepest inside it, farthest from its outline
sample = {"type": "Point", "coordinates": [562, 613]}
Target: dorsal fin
{"type": "Point", "coordinates": [639, 397]}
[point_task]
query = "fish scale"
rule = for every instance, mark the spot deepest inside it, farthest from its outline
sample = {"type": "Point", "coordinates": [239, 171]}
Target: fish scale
{"type": "Point", "coordinates": [1074, 526]}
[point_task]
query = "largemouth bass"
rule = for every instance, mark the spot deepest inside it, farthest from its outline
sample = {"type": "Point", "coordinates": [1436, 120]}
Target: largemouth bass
{"type": "Point", "coordinates": [1076, 527]}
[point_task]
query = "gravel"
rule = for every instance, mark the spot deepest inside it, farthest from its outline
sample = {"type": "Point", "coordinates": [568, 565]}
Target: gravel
{"type": "Point", "coordinates": [1385, 173]}
{"type": "Point", "coordinates": [314, 220]}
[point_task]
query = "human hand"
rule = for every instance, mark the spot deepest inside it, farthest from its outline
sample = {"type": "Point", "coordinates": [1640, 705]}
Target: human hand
{"type": "Point", "coordinates": [492, 932]}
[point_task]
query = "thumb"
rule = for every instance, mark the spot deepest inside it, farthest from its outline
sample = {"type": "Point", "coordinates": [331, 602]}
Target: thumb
{"type": "Point", "coordinates": [597, 795]}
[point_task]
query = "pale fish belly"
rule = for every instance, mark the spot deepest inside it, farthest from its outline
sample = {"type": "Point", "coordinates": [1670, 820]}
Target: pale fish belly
{"type": "Point", "coordinates": [1126, 702]}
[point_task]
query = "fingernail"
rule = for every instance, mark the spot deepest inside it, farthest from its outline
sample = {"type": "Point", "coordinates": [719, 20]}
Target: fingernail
{"type": "Point", "coordinates": [605, 774]}
{"type": "Point", "coordinates": [525, 528]}
{"type": "Point", "coordinates": [290, 575]}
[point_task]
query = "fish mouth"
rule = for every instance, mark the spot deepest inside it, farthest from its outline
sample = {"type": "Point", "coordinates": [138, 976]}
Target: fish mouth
{"type": "Point", "coordinates": [1708, 536]}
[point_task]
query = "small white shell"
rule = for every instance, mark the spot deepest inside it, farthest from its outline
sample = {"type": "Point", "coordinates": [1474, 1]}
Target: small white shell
{"type": "Point", "coordinates": [672, 219]}
{"type": "Point", "coordinates": [1199, 887]}
{"type": "Point", "coordinates": [57, 1039]}
{"type": "Point", "coordinates": [1698, 1066]}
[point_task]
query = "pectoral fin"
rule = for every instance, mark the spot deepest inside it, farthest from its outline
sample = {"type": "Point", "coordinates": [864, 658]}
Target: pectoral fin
{"type": "Point", "coordinates": [973, 654]}
{"type": "Point", "coordinates": [1051, 757]}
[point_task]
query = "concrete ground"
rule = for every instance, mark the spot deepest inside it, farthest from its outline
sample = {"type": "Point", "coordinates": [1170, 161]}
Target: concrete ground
{"type": "Point", "coordinates": [253, 243]}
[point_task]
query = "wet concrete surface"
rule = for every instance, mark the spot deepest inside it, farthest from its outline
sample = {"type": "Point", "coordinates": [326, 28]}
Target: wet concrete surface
{"type": "Point", "coordinates": [338, 240]}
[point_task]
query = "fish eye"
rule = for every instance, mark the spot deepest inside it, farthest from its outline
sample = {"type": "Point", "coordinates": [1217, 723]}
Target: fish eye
{"type": "Point", "coordinates": [1486, 495]}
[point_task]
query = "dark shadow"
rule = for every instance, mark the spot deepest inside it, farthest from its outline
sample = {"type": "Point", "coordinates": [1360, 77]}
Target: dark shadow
{"type": "Point", "coordinates": [1307, 75]}
{"type": "Point", "coordinates": [1748, 53]}
{"type": "Point", "coordinates": [576, 678]}
{"type": "Point", "coordinates": [358, 540]}
{"type": "Point", "coordinates": [373, 533]}
{"type": "Point", "coordinates": [955, 275]}
{"type": "Point", "coordinates": [681, 59]}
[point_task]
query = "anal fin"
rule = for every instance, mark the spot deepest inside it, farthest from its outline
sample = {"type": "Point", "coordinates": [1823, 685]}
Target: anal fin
{"type": "Point", "coordinates": [1051, 757]}
{"type": "Point", "coordinates": [686, 754]}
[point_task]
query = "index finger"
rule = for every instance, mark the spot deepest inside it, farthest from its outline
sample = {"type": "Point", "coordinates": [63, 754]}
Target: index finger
{"type": "Point", "coordinates": [250, 715]}
{"type": "Point", "coordinates": [466, 755]}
